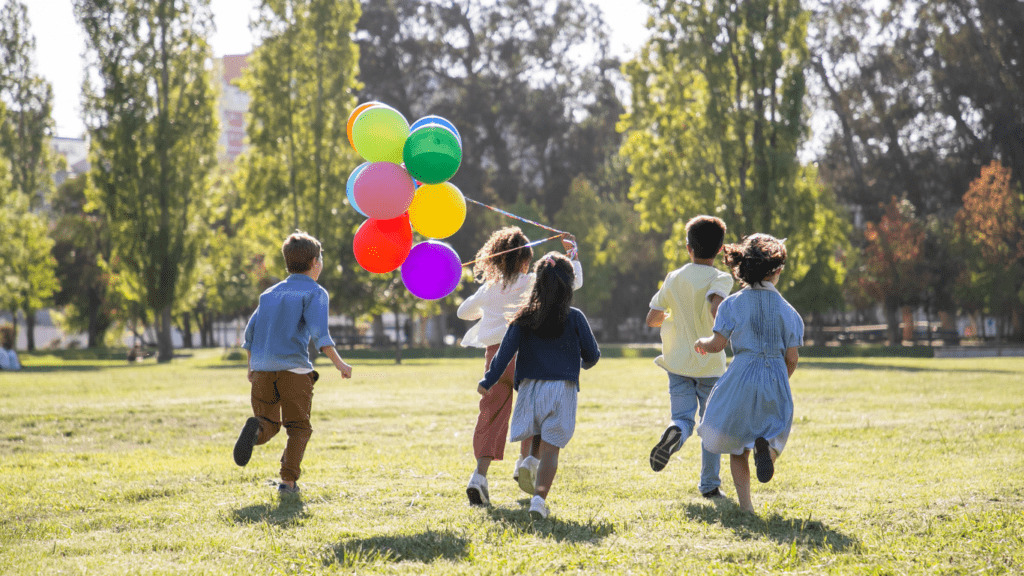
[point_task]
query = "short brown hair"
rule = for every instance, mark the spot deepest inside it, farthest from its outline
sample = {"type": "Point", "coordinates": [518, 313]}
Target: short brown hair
{"type": "Point", "coordinates": [300, 249]}
{"type": "Point", "coordinates": [705, 234]}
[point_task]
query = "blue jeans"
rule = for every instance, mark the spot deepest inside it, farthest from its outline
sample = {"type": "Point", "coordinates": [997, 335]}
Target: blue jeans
{"type": "Point", "coordinates": [688, 395]}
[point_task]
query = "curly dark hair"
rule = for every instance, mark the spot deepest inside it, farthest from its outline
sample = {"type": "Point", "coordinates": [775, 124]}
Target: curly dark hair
{"type": "Point", "coordinates": [506, 267]}
{"type": "Point", "coordinates": [547, 308]}
{"type": "Point", "coordinates": [755, 258]}
{"type": "Point", "coordinates": [7, 336]}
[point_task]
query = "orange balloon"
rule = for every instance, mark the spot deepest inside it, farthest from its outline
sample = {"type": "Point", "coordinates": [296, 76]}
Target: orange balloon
{"type": "Point", "coordinates": [355, 114]}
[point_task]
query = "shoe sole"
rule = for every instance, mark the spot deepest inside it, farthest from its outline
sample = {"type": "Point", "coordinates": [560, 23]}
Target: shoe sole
{"type": "Point", "coordinates": [662, 451]}
{"type": "Point", "coordinates": [763, 460]}
{"type": "Point", "coordinates": [526, 481]}
{"type": "Point", "coordinates": [476, 498]}
{"type": "Point", "coordinates": [534, 514]}
{"type": "Point", "coordinates": [246, 440]}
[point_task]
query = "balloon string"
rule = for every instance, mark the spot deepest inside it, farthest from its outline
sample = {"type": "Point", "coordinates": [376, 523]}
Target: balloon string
{"type": "Point", "coordinates": [530, 245]}
{"type": "Point", "coordinates": [572, 252]}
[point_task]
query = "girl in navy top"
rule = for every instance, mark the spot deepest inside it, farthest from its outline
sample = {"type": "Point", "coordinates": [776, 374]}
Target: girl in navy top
{"type": "Point", "coordinates": [552, 340]}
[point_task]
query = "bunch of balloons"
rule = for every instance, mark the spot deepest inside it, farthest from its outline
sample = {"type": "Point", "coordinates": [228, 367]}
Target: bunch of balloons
{"type": "Point", "coordinates": [403, 185]}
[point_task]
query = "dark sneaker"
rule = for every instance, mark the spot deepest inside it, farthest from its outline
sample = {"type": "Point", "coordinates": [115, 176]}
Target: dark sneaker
{"type": "Point", "coordinates": [665, 447]}
{"type": "Point", "coordinates": [246, 440]}
{"type": "Point", "coordinates": [713, 494]}
{"type": "Point", "coordinates": [763, 460]}
{"type": "Point", "coordinates": [283, 488]}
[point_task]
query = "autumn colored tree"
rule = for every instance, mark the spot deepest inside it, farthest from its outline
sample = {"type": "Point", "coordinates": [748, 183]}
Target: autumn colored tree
{"type": "Point", "coordinates": [990, 224]}
{"type": "Point", "coordinates": [893, 270]}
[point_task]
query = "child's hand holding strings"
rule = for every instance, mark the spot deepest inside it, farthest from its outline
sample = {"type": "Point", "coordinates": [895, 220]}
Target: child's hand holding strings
{"type": "Point", "coordinates": [568, 241]}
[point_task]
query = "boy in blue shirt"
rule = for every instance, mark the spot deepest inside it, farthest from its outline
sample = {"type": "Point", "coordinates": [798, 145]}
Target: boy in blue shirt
{"type": "Point", "coordinates": [290, 314]}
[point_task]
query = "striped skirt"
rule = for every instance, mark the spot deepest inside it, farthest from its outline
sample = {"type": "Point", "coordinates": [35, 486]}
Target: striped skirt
{"type": "Point", "coordinates": [547, 408]}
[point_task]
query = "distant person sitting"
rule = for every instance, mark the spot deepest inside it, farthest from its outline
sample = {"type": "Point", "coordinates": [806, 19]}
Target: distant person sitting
{"type": "Point", "coordinates": [8, 357]}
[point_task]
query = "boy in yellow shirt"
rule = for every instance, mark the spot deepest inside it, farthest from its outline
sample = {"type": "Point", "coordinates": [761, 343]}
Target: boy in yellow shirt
{"type": "Point", "coordinates": [685, 309]}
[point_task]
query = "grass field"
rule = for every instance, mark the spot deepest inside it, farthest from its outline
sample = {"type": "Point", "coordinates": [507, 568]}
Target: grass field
{"type": "Point", "coordinates": [894, 466]}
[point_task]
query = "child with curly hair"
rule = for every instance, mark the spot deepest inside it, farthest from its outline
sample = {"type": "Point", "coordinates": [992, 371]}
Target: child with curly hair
{"type": "Point", "coordinates": [751, 405]}
{"type": "Point", "coordinates": [502, 267]}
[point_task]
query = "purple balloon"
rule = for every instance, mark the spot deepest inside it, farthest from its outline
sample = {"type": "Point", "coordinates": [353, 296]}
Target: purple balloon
{"type": "Point", "coordinates": [432, 270]}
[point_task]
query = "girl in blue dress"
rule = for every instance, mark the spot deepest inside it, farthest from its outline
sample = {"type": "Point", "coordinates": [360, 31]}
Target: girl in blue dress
{"type": "Point", "coordinates": [751, 406]}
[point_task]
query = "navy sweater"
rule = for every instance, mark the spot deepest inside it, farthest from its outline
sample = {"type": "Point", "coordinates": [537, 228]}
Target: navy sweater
{"type": "Point", "coordinates": [546, 358]}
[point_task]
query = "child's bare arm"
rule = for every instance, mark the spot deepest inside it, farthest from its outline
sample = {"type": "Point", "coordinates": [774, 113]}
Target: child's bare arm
{"type": "Point", "coordinates": [792, 357]}
{"type": "Point", "coordinates": [716, 300]}
{"type": "Point", "coordinates": [655, 318]}
{"type": "Point", "coordinates": [710, 344]}
{"type": "Point", "coordinates": [332, 353]}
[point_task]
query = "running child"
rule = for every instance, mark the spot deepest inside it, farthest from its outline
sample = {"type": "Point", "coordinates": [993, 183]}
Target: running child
{"type": "Point", "coordinates": [685, 309]}
{"type": "Point", "coordinates": [290, 314]}
{"type": "Point", "coordinates": [502, 266]}
{"type": "Point", "coordinates": [751, 405]}
{"type": "Point", "coordinates": [552, 340]}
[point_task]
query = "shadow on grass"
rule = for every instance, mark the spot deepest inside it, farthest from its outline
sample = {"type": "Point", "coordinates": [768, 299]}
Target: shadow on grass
{"type": "Point", "coordinates": [287, 511]}
{"type": "Point", "coordinates": [558, 529]}
{"type": "Point", "coordinates": [799, 531]}
{"type": "Point", "coordinates": [424, 547]}
{"type": "Point", "coordinates": [805, 363]}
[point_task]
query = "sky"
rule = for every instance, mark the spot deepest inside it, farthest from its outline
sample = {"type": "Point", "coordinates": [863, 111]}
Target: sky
{"type": "Point", "coordinates": [60, 44]}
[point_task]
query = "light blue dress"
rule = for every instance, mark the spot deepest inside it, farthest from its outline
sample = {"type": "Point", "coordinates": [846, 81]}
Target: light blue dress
{"type": "Point", "coordinates": [753, 398]}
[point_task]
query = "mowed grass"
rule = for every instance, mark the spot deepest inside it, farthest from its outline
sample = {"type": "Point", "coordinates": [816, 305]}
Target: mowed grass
{"type": "Point", "coordinates": [894, 466]}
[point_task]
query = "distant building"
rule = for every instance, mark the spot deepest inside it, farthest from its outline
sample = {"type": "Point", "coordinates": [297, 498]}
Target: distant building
{"type": "Point", "coordinates": [75, 152]}
{"type": "Point", "coordinates": [234, 103]}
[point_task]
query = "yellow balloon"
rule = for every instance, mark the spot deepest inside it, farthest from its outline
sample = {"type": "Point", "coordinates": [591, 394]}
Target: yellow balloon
{"type": "Point", "coordinates": [438, 210]}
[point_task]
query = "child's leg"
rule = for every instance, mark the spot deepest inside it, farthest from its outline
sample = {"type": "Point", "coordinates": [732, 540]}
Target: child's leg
{"type": "Point", "coordinates": [548, 468]}
{"type": "Point", "coordinates": [741, 478]}
{"type": "Point", "coordinates": [710, 463]}
{"type": "Point", "coordinates": [492, 423]}
{"type": "Point", "coordinates": [266, 405]}
{"type": "Point", "coordinates": [296, 403]}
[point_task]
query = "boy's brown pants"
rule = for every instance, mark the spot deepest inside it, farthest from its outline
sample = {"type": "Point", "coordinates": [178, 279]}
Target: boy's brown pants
{"type": "Point", "coordinates": [284, 397]}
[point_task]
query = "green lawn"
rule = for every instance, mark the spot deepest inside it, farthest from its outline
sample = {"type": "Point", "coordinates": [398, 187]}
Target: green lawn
{"type": "Point", "coordinates": [894, 466]}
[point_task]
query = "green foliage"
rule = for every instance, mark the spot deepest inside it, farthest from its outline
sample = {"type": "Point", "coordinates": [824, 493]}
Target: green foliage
{"type": "Point", "coordinates": [26, 266]}
{"type": "Point", "coordinates": [895, 466]}
{"type": "Point", "coordinates": [716, 121]}
{"type": "Point", "coordinates": [82, 251]}
{"type": "Point", "coordinates": [301, 81]}
{"type": "Point", "coordinates": [150, 111]}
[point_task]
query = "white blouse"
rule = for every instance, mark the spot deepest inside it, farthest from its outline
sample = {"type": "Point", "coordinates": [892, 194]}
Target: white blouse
{"type": "Point", "coordinates": [495, 306]}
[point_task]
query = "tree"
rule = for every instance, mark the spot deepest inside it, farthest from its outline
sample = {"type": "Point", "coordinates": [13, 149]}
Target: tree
{"type": "Point", "coordinates": [991, 223]}
{"type": "Point", "coordinates": [894, 272]}
{"type": "Point", "coordinates": [153, 133]}
{"type": "Point", "coordinates": [716, 121]}
{"type": "Point", "coordinates": [301, 80]}
{"type": "Point", "coordinates": [24, 140]}
{"type": "Point", "coordinates": [82, 250]}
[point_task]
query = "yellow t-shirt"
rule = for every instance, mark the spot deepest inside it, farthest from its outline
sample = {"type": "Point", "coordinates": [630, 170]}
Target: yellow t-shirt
{"type": "Point", "coordinates": [685, 298]}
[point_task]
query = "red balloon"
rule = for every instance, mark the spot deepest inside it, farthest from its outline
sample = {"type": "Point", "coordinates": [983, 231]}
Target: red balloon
{"type": "Point", "coordinates": [382, 245]}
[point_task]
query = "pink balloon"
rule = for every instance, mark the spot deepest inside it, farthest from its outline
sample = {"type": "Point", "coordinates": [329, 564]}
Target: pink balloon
{"type": "Point", "coordinates": [384, 190]}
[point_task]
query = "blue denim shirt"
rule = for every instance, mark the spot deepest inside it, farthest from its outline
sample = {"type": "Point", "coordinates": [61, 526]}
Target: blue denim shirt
{"type": "Point", "coordinates": [290, 314]}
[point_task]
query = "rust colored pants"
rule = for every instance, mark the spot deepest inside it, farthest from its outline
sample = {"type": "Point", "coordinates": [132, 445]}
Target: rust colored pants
{"type": "Point", "coordinates": [489, 437]}
{"type": "Point", "coordinates": [284, 397]}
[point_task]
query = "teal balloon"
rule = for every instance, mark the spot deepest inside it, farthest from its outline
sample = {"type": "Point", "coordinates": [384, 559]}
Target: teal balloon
{"type": "Point", "coordinates": [432, 154]}
{"type": "Point", "coordinates": [379, 134]}
{"type": "Point", "coordinates": [350, 187]}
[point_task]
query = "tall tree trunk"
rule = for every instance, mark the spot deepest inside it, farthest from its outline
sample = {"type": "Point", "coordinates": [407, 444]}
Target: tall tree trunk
{"type": "Point", "coordinates": [908, 325]}
{"type": "Point", "coordinates": [398, 338]}
{"type": "Point", "coordinates": [892, 321]}
{"type": "Point", "coordinates": [186, 330]}
{"type": "Point", "coordinates": [164, 344]}
{"type": "Point", "coordinates": [30, 329]}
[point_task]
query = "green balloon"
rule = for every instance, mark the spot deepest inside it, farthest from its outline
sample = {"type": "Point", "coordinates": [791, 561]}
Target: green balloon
{"type": "Point", "coordinates": [432, 154]}
{"type": "Point", "coordinates": [379, 134]}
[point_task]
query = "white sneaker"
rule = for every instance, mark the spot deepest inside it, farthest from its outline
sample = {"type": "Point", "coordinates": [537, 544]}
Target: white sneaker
{"type": "Point", "coordinates": [538, 508]}
{"type": "Point", "coordinates": [477, 490]}
{"type": "Point", "coordinates": [527, 471]}
{"type": "Point", "coordinates": [515, 471]}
